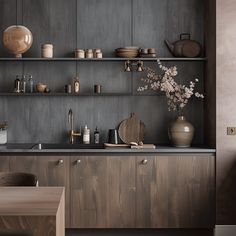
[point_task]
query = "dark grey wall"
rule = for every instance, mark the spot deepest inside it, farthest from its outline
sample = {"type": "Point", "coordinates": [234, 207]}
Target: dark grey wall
{"type": "Point", "coordinates": [105, 24]}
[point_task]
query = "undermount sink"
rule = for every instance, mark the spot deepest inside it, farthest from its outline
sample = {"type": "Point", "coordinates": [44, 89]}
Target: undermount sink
{"type": "Point", "coordinates": [43, 146]}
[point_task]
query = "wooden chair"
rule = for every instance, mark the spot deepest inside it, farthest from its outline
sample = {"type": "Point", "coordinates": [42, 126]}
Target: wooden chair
{"type": "Point", "coordinates": [17, 179]}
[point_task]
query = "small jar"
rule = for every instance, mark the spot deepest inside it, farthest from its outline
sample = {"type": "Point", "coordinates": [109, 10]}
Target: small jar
{"type": "Point", "coordinates": [99, 55]}
{"type": "Point", "coordinates": [47, 51]}
{"type": "Point", "coordinates": [79, 53]}
{"type": "Point", "coordinates": [3, 133]}
{"type": "Point", "coordinates": [95, 51]}
{"type": "Point", "coordinates": [89, 53]}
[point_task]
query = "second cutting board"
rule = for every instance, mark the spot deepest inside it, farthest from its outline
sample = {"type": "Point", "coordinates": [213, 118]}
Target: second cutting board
{"type": "Point", "coordinates": [131, 130]}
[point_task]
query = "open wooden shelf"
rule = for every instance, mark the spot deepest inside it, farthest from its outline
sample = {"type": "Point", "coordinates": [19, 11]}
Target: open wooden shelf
{"type": "Point", "coordinates": [103, 59]}
{"type": "Point", "coordinates": [77, 95]}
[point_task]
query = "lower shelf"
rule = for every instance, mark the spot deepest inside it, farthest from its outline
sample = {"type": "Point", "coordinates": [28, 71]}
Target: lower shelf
{"type": "Point", "coordinates": [76, 95]}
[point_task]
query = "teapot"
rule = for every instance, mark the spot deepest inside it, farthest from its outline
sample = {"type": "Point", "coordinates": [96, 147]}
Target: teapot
{"type": "Point", "coordinates": [184, 47]}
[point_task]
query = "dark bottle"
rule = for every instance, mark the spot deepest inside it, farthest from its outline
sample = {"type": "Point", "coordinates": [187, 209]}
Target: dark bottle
{"type": "Point", "coordinates": [96, 136]}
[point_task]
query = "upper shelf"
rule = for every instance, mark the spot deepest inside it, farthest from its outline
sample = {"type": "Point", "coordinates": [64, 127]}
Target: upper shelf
{"type": "Point", "coordinates": [103, 59]}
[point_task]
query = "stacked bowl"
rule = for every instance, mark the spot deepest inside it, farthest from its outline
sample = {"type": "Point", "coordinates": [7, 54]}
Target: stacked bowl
{"type": "Point", "coordinates": [127, 52]}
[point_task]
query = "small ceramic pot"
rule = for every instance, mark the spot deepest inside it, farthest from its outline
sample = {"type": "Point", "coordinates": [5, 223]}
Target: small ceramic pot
{"type": "Point", "coordinates": [181, 132]}
{"type": "Point", "coordinates": [47, 51]}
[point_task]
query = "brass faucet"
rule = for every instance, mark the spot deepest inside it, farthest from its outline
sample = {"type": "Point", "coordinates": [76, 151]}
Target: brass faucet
{"type": "Point", "coordinates": [72, 133]}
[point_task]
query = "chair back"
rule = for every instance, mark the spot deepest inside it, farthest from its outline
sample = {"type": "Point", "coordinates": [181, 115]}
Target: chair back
{"type": "Point", "coordinates": [8, 179]}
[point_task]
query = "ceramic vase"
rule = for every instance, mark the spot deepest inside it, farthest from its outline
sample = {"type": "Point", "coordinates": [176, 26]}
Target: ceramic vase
{"type": "Point", "coordinates": [181, 132]}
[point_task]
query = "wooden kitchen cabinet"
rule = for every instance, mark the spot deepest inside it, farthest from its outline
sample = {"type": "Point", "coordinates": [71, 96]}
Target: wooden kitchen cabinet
{"type": "Point", "coordinates": [169, 191]}
{"type": "Point", "coordinates": [176, 191]}
{"type": "Point", "coordinates": [88, 188]}
{"type": "Point", "coordinates": [102, 192]}
{"type": "Point", "coordinates": [143, 191]}
{"type": "Point", "coordinates": [23, 163]}
{"type": "Point", "coordinates": [53, 170]}
{"type": "Point", "coordinates": [4, 163]}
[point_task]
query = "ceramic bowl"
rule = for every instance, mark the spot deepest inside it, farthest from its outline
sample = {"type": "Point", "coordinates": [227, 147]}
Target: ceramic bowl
{"type": "Point", "coordinates": [41, 87]}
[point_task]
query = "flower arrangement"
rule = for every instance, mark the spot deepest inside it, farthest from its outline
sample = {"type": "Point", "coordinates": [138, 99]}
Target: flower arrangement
{"type": "Point", "coordinates": [177, 95]}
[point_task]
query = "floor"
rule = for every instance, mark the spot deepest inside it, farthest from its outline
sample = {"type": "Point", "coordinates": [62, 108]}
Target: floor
{"type": "Point", "coordinates": [226, 230]}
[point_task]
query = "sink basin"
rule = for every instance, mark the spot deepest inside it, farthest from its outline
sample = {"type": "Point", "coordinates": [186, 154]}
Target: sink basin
{"type": "Point", "coordinates": [67, 146]}
{"type": "Point", "coordinates": [54, 146]}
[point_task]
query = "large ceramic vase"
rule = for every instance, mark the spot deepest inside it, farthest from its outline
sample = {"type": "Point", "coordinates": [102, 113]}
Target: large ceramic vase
{"type": "Point", "coordinates": [17, 39]}
{"type": "Point", "coordinates": [181, 132]}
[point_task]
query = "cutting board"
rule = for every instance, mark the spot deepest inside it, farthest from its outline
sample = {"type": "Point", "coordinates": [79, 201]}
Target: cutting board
{"type": "Point", "coordinates": [131, 130]}
{"type": "Point", "coordinates": [111, 145]}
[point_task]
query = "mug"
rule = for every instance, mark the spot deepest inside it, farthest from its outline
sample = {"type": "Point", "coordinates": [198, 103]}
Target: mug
{"type": "Point", "coordinates": [112, 136]}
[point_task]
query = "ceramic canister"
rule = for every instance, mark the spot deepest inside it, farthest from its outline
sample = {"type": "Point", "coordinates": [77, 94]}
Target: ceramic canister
{"type": "Point", "coordinates": [47, 51]}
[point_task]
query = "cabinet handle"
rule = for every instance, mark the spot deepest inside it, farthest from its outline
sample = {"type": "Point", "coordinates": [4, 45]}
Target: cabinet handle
{"type": "Point", "coordinates": [144, 161]}
{"type": "Point", "coordinates": [78, 162]}
{"type": "Point", "coordinates": [60, 162]}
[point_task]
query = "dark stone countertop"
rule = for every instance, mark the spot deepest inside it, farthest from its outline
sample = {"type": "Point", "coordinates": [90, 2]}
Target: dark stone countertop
{"type": "Point", "coordinates": [96, 149]}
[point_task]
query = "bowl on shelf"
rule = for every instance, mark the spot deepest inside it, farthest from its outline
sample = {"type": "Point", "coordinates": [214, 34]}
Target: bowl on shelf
{"type": "Point", "coordinates": [17, 39]}
{"type": "Point", "coordinates": [41, 87]}
{"type": "Point", "coordinates": [127, 52]}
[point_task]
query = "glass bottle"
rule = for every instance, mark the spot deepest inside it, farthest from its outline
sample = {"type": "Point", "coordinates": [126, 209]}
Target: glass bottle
{"type": "Point", "coordinates": [96, 136]}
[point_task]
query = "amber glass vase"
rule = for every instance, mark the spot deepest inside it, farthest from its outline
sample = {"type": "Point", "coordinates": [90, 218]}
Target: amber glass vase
{"type": "Point", "coordinates": [17, 39]}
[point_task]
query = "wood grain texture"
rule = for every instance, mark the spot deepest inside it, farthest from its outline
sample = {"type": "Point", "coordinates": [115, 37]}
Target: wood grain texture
{"type": "Point", "coordinates": [4, 163]}
{"type": "Point", "coordinates": [23, 163]}
{"type": "Point", "coordinates": [55, 20]}
{"type": "Point", "coordinates": [8, 179]}
{"type": "Point", "coordinates": [225, 111]}
{"type": "Point", "coordinates": [51, 172]}
{"type": "Point", "coordinates": [30, 201]}
{"type": "Point", "coordinates": [37, 211]}
{"type": "Point", "coordinates": [121, 192]}
{"type": "Point", "coordinates": [88, 192]}
{"type": "Point", "coordinates": [156, 20]}
{"type": "Point", "coordinates": [131, 130]}
{"type": "Point", "coordinates": [176, 192]}
{"type": "Point", "coordinates": [93, 30]}
{"type": "Point", "coordinates": [29, 225]}
{"type": "Point", "coordinates": [7, 18]}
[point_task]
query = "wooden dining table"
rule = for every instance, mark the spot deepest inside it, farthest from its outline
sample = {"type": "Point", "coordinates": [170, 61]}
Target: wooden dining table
{"type": "Point", "coordinates": [32, 211]}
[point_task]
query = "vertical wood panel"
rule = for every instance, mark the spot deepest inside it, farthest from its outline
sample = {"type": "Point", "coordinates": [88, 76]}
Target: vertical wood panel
{"type": "Point", "coordinates": [191, 191]}
{"type": "Point", "coordinates": [121, 192]}
{"type": "Point", "coordinates": [4, 163]}
{"type": "Point", "coordinates": [7, 18]}
{"type": "Point", "coordinates": [156, 20]}
{"type": "Point", "coordinates": [103, 24]}
{"type": "Point", "coordinates": [23, 163]}
{"type": "Point", "coordinates": [52, 173]}
{"type": "Point", "coordinates": [176, 192]}
{"type": "Point", "coordinates": [88, 192]}
{"type": "Point", "coordinates": [51, 21]}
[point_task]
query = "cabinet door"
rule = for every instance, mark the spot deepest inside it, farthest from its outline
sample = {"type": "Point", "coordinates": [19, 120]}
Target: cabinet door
{"type": "Point", "coordinates": [23, 163]}
{"type": "Point", "coordinates": [54, 171]}
{"type": "Point", "coordinates": [121, 192]}
{"type": "Point", "coordinates": [176, 192]}
{"type": "Point", "coordinates": [88, 192]}
{"type": "Point", "coordinates": [4, 163]}
{"type": "Point", "coordinates": [191, 190]}
{"type": "Point", "coordinates": [103, 192]}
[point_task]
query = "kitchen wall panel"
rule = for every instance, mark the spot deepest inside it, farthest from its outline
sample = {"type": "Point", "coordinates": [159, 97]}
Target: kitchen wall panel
{"type": "Point", "coordinates": [157, 20]}
{"type": "Point", "coordinates": [225, 111]}
{"type": "Point", "coordinates": [105, 24]}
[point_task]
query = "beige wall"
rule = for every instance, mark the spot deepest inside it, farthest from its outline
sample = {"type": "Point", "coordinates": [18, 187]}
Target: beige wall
{"type": "Point", "coordinates": [226, 110]}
